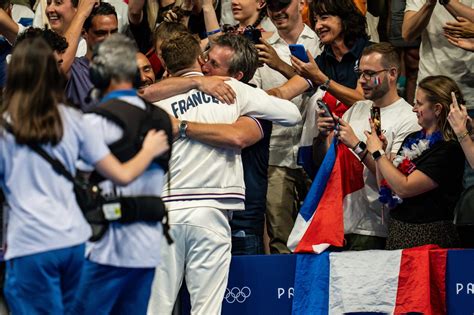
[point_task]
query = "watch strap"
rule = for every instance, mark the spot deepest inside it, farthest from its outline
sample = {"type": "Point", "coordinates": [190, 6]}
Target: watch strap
{"type": "Point", "coordinates": [378, 154]}
{"type": "Point", "coordinates": [183, 126]}
{"type": "Point", "coordinates": [360, 147]}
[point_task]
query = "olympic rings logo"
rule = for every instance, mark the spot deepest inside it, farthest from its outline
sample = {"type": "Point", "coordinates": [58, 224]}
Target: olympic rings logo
{"type": "Point", "coordinates": [236, 294]}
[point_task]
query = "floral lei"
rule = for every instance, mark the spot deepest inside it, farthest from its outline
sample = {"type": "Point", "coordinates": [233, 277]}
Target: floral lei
{"type": "Point", "coordinates": [413, 148]}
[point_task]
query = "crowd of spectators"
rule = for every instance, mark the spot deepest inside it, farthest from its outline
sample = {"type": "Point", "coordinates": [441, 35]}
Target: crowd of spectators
{"type": "Point", "coordinates": [396, 78]}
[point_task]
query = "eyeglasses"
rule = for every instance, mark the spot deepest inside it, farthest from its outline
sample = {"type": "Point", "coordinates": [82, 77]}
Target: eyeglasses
{"type": "Point", "coordinates": [368, 74]}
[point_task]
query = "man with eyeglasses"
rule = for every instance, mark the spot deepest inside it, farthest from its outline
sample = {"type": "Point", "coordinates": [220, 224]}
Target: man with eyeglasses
{"type": "Point", "coordinates": [378, 71]}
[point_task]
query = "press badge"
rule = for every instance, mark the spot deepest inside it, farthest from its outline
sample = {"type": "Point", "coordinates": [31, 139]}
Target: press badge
{"type": "Point", "coordinates": [112, 211]}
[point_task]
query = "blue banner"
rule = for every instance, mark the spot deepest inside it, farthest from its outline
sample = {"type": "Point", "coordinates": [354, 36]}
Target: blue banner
{"type": "Point", "coordinates": [460, 282]}
{"type": "Point", "coordinates": [261, 285]}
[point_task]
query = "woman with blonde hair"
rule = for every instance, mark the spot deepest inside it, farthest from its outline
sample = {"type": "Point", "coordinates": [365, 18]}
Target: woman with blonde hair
{"type": "Point", "coordinates": [424, 181]}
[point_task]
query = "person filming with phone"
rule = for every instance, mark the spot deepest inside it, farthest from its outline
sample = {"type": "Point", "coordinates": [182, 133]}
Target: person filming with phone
{"type": "Point", "coordinates": [425, 177]}
{"type": "Point", "coordinates": [378, 71]}
{"type": "Point", "coordinates": [341, 29]}
{"type": "Point", "coordinates": [287, 182]}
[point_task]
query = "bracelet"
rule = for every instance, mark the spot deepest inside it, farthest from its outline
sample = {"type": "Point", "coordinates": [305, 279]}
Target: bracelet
{"type": "Point", "coordinates": [462, 136]}
{"type": "Point", "coordinates": [310, 83]}
{"type": "Point", "coordinates": [325, 85]}
{"type": "Point", "coordinates": [213, 32]}
{"type": "Point", "coordinates": [364, 156]}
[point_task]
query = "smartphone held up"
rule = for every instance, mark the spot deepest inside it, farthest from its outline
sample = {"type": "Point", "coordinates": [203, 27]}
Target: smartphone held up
{"type": "Point", "coordinates": [375, 116]}
{"type": "Point", "coordinates": [299, 52]}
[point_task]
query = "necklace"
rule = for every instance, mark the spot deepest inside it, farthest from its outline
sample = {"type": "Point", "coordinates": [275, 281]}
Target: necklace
{"type": "Point", "coordinates": [411, 149]}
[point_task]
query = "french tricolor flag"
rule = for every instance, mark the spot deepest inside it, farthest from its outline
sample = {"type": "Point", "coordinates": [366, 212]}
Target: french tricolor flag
{"type": "Point", "coordinates": [375, 281]}
{"type": "Point", "coordinates": [310, 130]}
{"type": "Point", "coordinates": [330, 208]}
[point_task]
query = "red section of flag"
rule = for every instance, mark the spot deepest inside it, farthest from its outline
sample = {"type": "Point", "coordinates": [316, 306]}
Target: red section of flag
{"type": "Point", "coordinates": [327, 224]}
{"type": "Point", "coordinates": [352, 169]}
{"type": "Point", "coordinates": [335, 106]}
{"type": "Point", "coordinates": [421, 283]}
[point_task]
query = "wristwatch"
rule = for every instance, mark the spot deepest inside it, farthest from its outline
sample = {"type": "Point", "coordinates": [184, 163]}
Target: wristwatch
{"type": "Point", "coordinates": [183, 125]}
{"type": "Point", "coordinates": [359, 148]}
{"type": "Point", "coordinates": [378, 154]}
{"type": "Point", "coordinates": [443, 2]}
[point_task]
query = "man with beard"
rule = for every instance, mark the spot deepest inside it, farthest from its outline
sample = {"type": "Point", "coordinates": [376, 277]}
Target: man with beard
{"type": "Point", "coordinates": [147, 76]}
{"type": "Point", "coordinates": [378, 72]}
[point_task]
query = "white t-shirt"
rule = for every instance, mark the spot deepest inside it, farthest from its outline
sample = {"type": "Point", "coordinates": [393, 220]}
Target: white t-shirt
{"type": "Point", "coordinates": [397, 121]}
{"type": "Point", "coordinates": [20, 11]}
{"type": "Point", "coordinates": [132, 245]}
{"type": "Point", "coordinates": [439, 57]}
{"type": "Point", "coordinates": [284, 140]}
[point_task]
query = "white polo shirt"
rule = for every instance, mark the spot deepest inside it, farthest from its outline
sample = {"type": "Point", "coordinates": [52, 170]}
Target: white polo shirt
{"type": "Point", "coordinates": [284, 141]}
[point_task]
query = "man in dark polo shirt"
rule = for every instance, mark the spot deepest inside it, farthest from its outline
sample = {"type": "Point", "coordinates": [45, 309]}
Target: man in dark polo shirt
{"type": "Point", "coordinates": [100, 24]}
{"type": "Point", "coordinates": [343, 41]}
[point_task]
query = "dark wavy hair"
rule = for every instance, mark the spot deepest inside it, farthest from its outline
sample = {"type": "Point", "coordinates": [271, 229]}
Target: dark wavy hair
{"type": "Point", "coordinates": [57, 42]}
{"type": "Point", "coordinates": [353, 21]}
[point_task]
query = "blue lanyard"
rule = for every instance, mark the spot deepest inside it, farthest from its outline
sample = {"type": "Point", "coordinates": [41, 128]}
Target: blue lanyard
{"type": "Point", "coordinates": [118, 94]}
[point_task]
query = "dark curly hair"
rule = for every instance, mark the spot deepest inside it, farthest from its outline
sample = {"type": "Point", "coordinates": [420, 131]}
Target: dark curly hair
{"type": "Point", "coordinates": [353, 21]}
{"type": "Point", "coordinates": [57, 42]}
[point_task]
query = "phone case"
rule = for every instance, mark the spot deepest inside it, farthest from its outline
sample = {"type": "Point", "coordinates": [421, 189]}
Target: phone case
{"type": "Point", "coordinates": [299, 52]}
{"type": "Point", "coordinates": [375, 115]}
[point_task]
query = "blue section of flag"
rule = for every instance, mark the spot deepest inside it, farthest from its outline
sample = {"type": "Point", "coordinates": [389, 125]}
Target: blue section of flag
{"type": "Point", "coordinates": [319, 184]}
{"type": "Point", "coordinates": [305, 159]}
{"type": "Point", "coordinates": [312, 289]}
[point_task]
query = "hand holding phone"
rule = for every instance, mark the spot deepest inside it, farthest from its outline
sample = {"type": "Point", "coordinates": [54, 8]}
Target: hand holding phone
{"type": "Point", "coordinates": [299, 52]}
{"type": "Point", "coordinates": [327, 112]}
{"type": "Point", "coordinates": [375, 116]}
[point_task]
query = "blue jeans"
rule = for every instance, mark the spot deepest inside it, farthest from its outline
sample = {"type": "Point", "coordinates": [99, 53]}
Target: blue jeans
{"type": "Point", "coordinates": [113, 290]}
{"type": "Point", "coordinates": [44, 283]}
{"type": "Point", "coordinates": [250, 244]}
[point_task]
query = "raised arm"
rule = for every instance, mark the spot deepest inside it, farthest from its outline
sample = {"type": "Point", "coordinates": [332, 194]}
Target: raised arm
{"type": "Point", "coordinates": [268, 55]}
{"type": "Point", "coordinates": [310, 70]}
{"type": "Point", "coordinates": [73, 33]}
{"type": "Point", "coordinates": [8, 28]}
{"type": "Point", "coordinates": [295, 86]}
{"type": "Point", "coordinates": [414, 22]}
{"type": "Point", "coordinates": [135, 11]}
{"type": "Point", "coordinates": [257, 103]}
{"type": "Point", "coordinates": [214, 86]}
{"type": "Point", "coordinates": [458, 119]}
{"type": "Point", "coordinates": [210, 20]}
